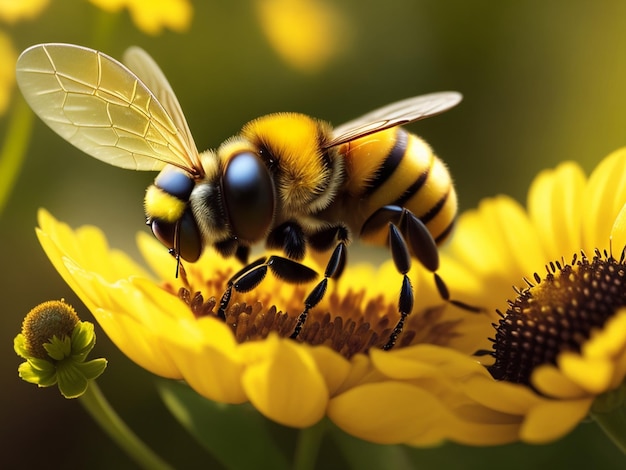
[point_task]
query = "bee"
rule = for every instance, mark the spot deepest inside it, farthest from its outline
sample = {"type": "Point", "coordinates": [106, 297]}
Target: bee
{"type": "Point", "coordinates": [288, 179]}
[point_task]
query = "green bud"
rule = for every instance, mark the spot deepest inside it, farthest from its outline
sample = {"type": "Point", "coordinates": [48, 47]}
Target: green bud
{"type": "Point", "coordinates": [55, 344]}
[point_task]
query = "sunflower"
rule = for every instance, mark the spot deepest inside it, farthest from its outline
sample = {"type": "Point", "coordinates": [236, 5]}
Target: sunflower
{"type": "Point", "coordinates": [169, 326]}
{"type": "Point", "coordinates": [558, 352]}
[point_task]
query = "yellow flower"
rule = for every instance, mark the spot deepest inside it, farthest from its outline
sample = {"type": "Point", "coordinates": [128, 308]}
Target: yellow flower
{"type": "Point", "coordinates": [151, 16]}
{"type": "Point", "coordinates": [169, 326]}
{"type": "Point", "coordinates": [12, 11]}
{"type": "Point", "coordinates": [562, 343]}
{"type": "Point", "coordinates": [307, 34]}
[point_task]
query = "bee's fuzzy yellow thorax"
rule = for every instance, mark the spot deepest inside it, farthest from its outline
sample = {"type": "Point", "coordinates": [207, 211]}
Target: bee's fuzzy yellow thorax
{"type": "Point", "coordinates": [294, 142]}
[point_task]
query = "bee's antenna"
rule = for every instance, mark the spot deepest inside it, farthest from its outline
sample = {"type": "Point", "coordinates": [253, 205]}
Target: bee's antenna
{"type": "Point", "coordinates": [177, 246]}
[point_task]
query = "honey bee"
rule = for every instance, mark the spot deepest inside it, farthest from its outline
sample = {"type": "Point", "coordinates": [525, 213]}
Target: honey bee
{"type": "Point", "coordinates": [287, 179]}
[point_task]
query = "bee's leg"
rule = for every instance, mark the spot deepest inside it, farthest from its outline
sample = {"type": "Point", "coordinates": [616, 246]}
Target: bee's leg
{"type": "Point", "coordinates": [252, 274]}
{"type": "Point", "coordinates": [408, 236]}
{"type": "Point", "coordinates": [419, 240]}
{"type": "Point", "coordinates": [321, 240]}
{"type": "Point", "coordinates": [424, 248]}
{"type": "Point", "coordinates": [402, 260]}
{"type": "Point", "coordinates": [288, 237]}
{"type": "Point", "coordinates": [242, 252]}
{"type": "Point", "coordinates": [392, 217]}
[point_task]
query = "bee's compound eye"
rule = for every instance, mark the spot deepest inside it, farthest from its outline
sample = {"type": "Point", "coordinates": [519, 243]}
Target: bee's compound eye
{"type": "Point", "coordinates": [249, 196]}
{"type": "Point", "coordinates": [189, 238]}
{"type": "Point", "coordinates": [176, 183]}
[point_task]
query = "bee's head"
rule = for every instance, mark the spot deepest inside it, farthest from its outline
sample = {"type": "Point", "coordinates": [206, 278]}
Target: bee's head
{"type": "Point", "coordinates": [170, 216]}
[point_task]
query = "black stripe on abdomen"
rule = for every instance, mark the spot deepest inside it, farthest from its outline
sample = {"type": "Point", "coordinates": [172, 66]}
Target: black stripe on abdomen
{"type": "Point", "coordinates": [390, 163]}
{"type": "Point", "coordinates": [435, 209]}
{"type": "Point", "coordinates": [415, 186]}
{"type": "Point", "coordinates": [446, 232]}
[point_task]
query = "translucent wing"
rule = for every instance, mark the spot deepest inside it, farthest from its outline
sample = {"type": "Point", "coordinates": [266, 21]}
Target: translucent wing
{"type": "Point", "coordinates": [395, 114]}
{"type": "Point", "coordinates": [148, 71]}
{"type": "Point", "coordinates": [101, 107]}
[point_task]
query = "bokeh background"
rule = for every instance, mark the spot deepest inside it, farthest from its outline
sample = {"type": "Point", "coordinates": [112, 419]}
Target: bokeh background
{"type": "Point", "coordinates": [543, 82]}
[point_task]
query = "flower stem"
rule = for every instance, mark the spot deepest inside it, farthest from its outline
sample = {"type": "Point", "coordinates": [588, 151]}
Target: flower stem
{"type": "Point", "coordinates": [14, 147]}
{"type": "Point", "coordinates": [99, 408]}
{"type": "Point", "coordinates": [307, 448]}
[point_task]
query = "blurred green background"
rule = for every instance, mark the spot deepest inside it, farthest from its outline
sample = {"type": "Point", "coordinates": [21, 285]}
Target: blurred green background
{"type": "Point", "coordinates": [543, 82]}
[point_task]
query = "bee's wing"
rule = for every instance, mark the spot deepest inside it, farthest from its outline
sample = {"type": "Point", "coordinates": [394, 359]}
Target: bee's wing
{"type": "Point", "coordinates": [101, 107]}
{"type": "Point", "coordinates": [395, 114]}
{"type": "Point", "coordinates": [148, 71]}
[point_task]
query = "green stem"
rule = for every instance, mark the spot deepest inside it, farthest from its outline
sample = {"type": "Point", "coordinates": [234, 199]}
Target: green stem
{"type": "Point", "coordinates": [613, 423]}
{"type": "Point", "coordinates": [14, 147]}
{"type": "Point", "coordinates": [99, 408]}
{"type": "Point", "coordinates": [308, 445]}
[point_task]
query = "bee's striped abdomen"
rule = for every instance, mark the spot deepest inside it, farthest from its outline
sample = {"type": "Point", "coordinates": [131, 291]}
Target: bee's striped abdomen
{"type": "Point", "coordinates": [395, 167]}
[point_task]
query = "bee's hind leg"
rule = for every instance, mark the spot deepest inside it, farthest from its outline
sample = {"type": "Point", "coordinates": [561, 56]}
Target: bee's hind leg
{"type": "Point", "coordinates": [408, 236]}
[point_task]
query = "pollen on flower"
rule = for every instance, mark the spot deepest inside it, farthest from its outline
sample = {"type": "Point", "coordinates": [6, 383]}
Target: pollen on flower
{"type": "Point", "coordinates": [557, 314]}
{"type": "Point", "coordinates": [349, 323]}
{"type": "Point", "coordinates": [46, 320]}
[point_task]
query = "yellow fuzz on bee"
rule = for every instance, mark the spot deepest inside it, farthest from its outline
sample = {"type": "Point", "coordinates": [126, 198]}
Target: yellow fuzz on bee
{"type": "Point", "coordinates": [296, 139]}
{"type": "Point", "coordinates": [163, 206]}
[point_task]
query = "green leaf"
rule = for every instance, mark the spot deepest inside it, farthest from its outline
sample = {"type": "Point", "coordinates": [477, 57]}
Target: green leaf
{"type": "Point", "coordinates": [361, 454]}
{"type": "Point", "coordinates": [19, 346]}
{"type": "Point", "coordinates": [41, 377]}
{"type": "Point", "coordinates": [58, 348]}
{"type": "Point", "coordinates": [92, 369]}
{"type": "Point", "coordinates": [72, 383]}
{"type": "Point", "coordinates": [83, 338]}
{"type": "Point", "coordinates": [236, 435]}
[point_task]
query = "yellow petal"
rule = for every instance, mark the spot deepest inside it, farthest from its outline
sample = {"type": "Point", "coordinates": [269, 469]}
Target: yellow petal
{"type": "Point", "coordinates": [390, 413]}
{"type": "Point", "coordinates": [593, 375]}
{"type": "Point", "coordinates": [610, 341]}
{"type": "Point", "coordinates": [425, 360]}
{"type": "Point", "coordinates": [618, 232]}
{"type": "Point", "coordinates": [503, 397]}
{"type": "Point", "coordinates": [499, 245]}
{"type": "Point", "coordinates": [122, 315]}
{"type": "Point", "coordinates": [283, 382]}
{"type": "Point", "coordinates": [361, 371]}
{"type": "Point", "coordinates": [157, 257]}
{"type": "Point", "coordinates": [553, 419]}
{"type": "Point", "coordinates": [333, 367]}
{"type": "Point", "coordinates": [551, 381]}
{"type": "Point", "coordinates": [485, 428]}
{"type": "Point", "coordinates": [206, 354]}
{"type": "Point", "coordinates": [554, 205]}
{"type": "Point", "coordinates": [603, 200]}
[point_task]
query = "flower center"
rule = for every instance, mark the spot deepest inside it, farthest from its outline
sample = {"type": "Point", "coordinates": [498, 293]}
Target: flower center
{"type": "Point", "coordinates": [558, 313]}
{"type": "Point", "coordinates": [46, 320]}
{"type": "Point", "coordinates": [349, 324]}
